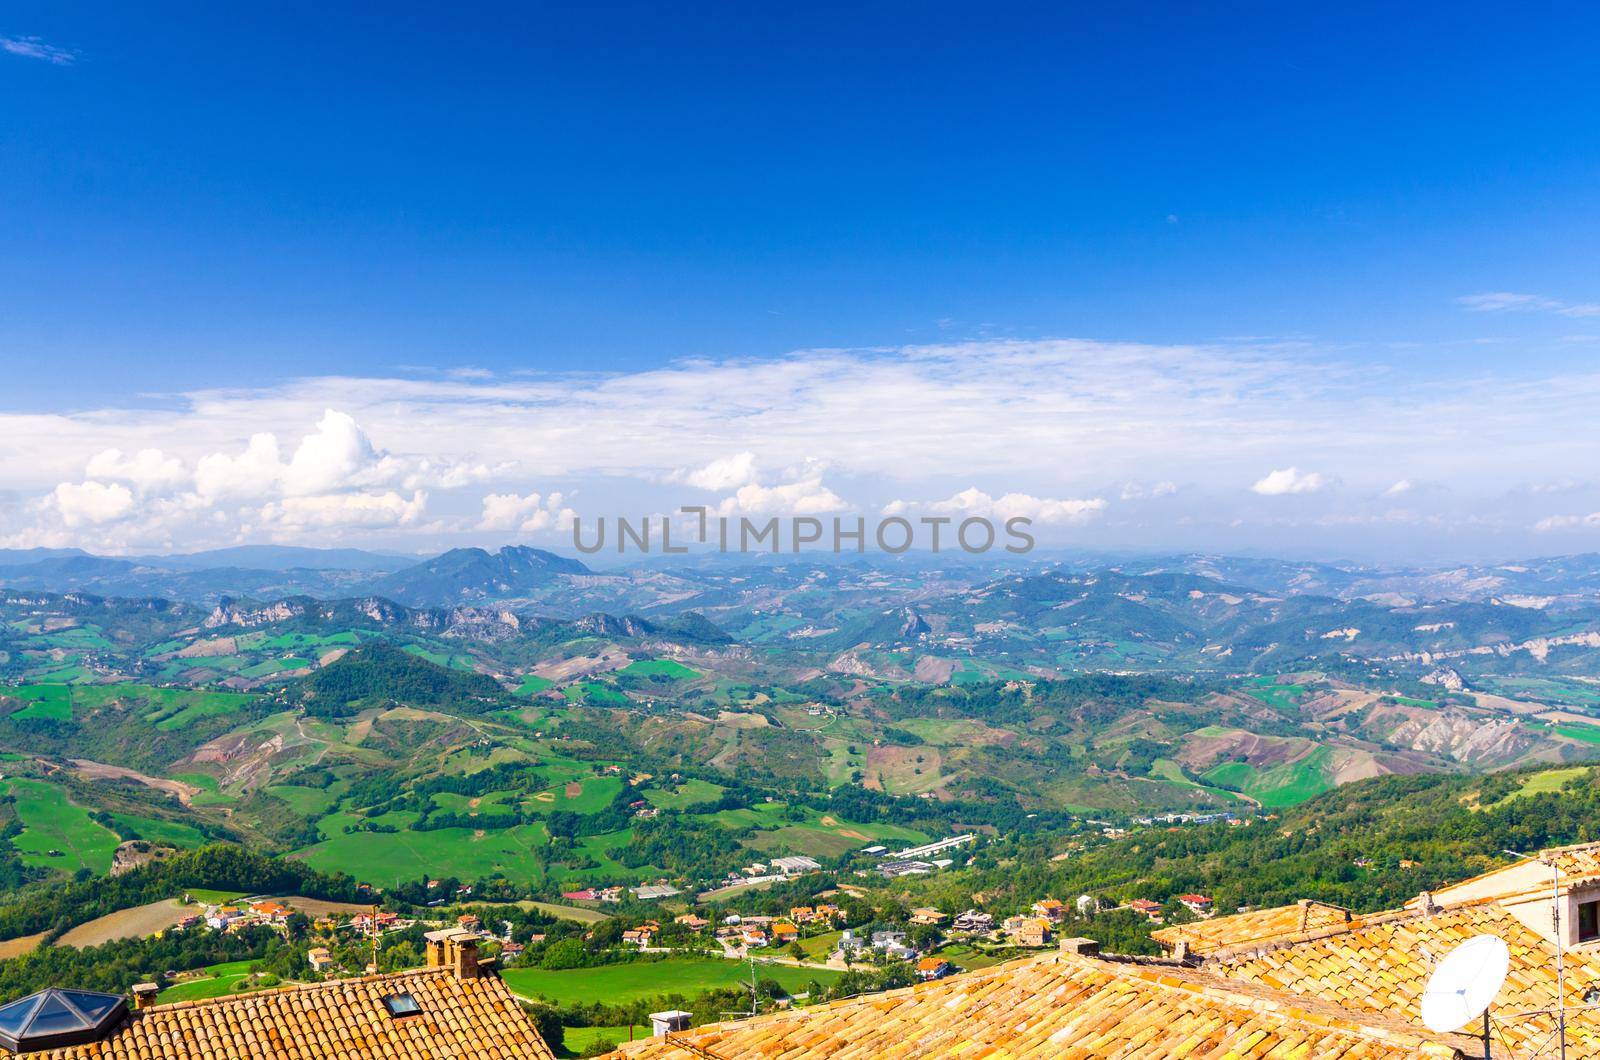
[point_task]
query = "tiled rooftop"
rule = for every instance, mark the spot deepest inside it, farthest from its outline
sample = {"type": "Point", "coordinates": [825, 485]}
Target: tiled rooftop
{"type": "Point", "coordinates": [460, 1019]}
{"type": "Point", "coordinates": [1204, 936]}
{"type": "Point", "coordinates": [1065, 1008]}
{"type": "Point", "coordinates": [1381, 963]}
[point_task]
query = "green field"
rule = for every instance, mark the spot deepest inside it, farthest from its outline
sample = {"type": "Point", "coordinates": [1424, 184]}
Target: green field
{"type": "Point", "coordinates": [818, 947]}
{"type": "Point", "coordinates": [171, 833]}
{"type": "Point", "coordinates": [594, 692]}
{"type": "Point", "coordinates": [622, 983]}
{"type": "Point", "coordinates": [533, 684]}
{"type": "Point", "coordinates": [50, 702]}
{"type": "Point", "coordinates": [273, 666]}
{"type": "Point", "coordinates": [1580, 731]}
{"type": "Point", "coordinates": [1546, 783]}
{"type": "Point", "coordinates": [168, 708]}
{"type": "Point", "coordinates": [569, 912]}
{"type": "Point", "coordinates": [307, 802]}
{"type": "Point", "coordinates": [211, 794]}
{"type": "Point", "coordinates": [691, 792]}
{"type": "Point", "coordinates": [819, 835]}
{"type": "Point", "coordinates": [176, 708]}
{"type": "Point", "coordinates": [1560, 691]}
{"type": "Point", "coordinates": [1278, 786]}
{"type": "Point", "coordinates": [595, 795]}
{"type": "Point", "coordinates": [51, 822]}
{"type": "Point", "coordinates": [222, 978]}
{"type": "Point", "coordinates": [300, 642]}
{"type": "Point", "coordinates": [576, 1041]}
{"type": "Point", "coordinates": [1280, 696]}
{"type": "Point", "coordinates": [384, 858]}
{"type": "Point", "coordinates": [668, 668]}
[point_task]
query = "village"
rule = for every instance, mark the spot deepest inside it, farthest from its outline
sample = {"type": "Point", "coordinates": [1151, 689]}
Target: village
{"type": "Point", "coordinates": [836, 935]}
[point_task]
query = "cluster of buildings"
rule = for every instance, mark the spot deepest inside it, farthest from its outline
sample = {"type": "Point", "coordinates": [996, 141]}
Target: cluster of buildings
{"type": "Point", "coordinates": [609, 895]}
{"type": "Point", "coordinates": [756, 931]}
{"type": "Point", "coordinates": [917, 860]}
{"type": "Point", "coordinates": [777, 870]}
{"type": "Point", "coordinates": [237, 916]}
{"type": "Point", "coordinates": [1187, 818]}
{"type": "Point", "coordinates": [1198, 904]}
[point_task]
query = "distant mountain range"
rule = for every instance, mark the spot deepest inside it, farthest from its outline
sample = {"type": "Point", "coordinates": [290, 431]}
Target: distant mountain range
{"type": "Point", "coordinates": [269, 571]}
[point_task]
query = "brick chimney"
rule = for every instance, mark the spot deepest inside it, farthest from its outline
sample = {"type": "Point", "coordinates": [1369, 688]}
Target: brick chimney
{"type": "Point", "coordinates": [438, 948]}
{"type": "Point", "coordinates": [1081, 946]}
{"type": "Point", "coordinates": [463, 955]}
{"type": "Point", "coordinates": [144, 995]}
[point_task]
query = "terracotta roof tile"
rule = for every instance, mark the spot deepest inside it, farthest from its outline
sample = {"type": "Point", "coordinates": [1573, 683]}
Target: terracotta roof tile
{"type": "Point", "coordinates": [471, 1019]}
{"type": "Point", "coordinates": [1066, 1007]}
{"type": "Point", "coordinates": [1204, 936]}
{"type": "Point", "coordinates": [1380, 964]}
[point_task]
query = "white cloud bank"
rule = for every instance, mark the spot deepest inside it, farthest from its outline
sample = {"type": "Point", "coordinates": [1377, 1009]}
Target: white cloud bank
{"type": "Point", "coordinates": [1077, 434]}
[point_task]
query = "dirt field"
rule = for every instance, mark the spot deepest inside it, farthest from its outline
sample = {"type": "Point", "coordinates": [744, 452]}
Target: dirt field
{"type": "Point", "coordinates": [895, 769]}
{"type": "Point", "coordinates": [1490, 701]}
{"type": "Point", "coordinates": [583, 666]}
{"type": "Point", "coordinates": [201, 649]}
{"type": "Point", "coordinates": [1566, 716]}
{"type": "Point", "coordinates": [100, 771]}
{"type": "Point", "coordinates": [17, 947]}
{"type": "Point", "coordinates": [1351, 764]}
{"type": "Point", "coordinates": [315, 907]}
{"type": "Point", "coordinates": [934, 671]}
{"type": "Point", "coordinates": [737, 719]}
{"type": "Point", "coordinates": [1263, 752]}
{"type": "Point", "coordinates": [135, 923]}
{"type": "Point", "coordinates": [1338, 702]}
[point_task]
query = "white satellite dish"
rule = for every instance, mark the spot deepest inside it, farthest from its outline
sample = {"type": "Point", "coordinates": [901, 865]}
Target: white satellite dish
{"type": "Point", "coordinates": [1465, 982]}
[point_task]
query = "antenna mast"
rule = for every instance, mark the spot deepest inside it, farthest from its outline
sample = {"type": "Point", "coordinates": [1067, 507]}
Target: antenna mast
{"type": "Point", "coordinates": [1561, 963]}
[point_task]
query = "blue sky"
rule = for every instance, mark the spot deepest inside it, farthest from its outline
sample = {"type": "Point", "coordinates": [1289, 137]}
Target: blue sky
{"type": "Point", "coordinates": [196, 198]}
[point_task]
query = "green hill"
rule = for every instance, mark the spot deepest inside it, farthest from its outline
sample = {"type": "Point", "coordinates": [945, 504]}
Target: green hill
{"type": "Point", "coordinates": [381, 673]}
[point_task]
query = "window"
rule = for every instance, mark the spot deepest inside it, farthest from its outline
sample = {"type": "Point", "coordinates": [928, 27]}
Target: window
{"type": "Point", "coordinates": [401, 1005]}
{"type": "Point", "coordinates": [1589, 921]}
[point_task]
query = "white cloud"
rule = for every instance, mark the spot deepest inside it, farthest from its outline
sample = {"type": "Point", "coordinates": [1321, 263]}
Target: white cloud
{"type": "Point", "coordinates": [1567, 522]}
{"type": "Point", "coordinates": [1400, 487]}
{"type": "Point", "coordinates": [807, 496]}
{"type": "Point", "coordinates": [337, 455]}
{"type": "Point", "coordinates": [1288, 480]}
{"type": "Point", "coordinates": [149, 471]}
{"type": "Point", "coordinates": [727, 473]}
{"type": "Point", "coordinates": [527, 514]}
{"type": "Point", "coordinates": [256, 472]}
{"type": "Point", "coordinates": [366, 511]}
{"type": "Point", "coordinates": [35, 48]}
{"type": "Point", "coordinates": [93, 503]}
{"type": "Point", "coordinates": [973, 502]}
{"type": "Point", "coordinates": [1511, 302]}
{"type": "Point", "coordinates": [1138, 491]}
